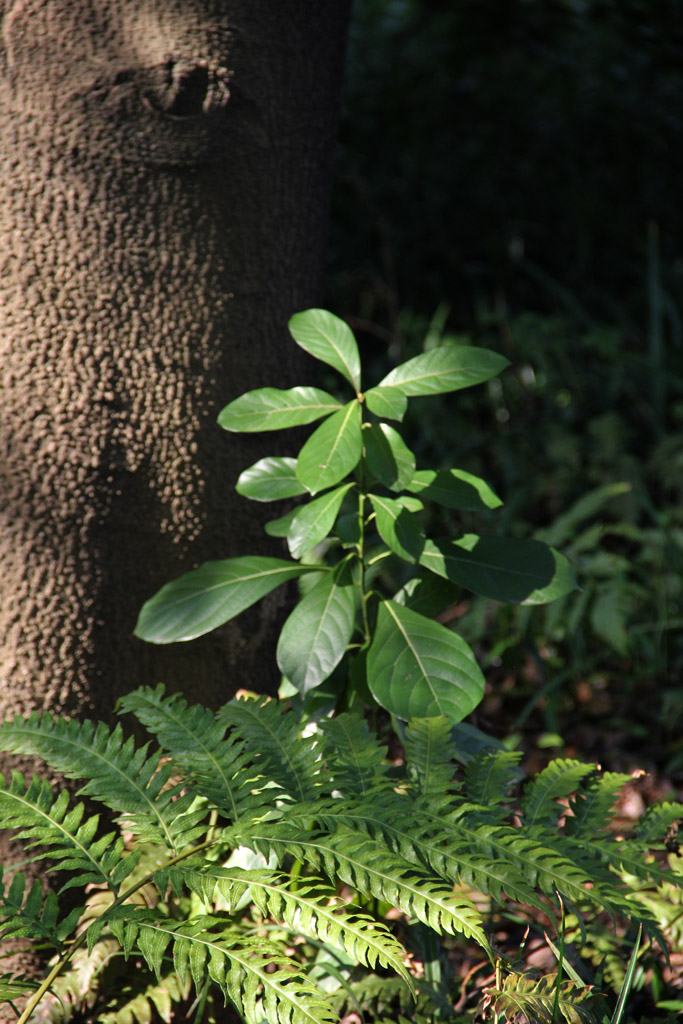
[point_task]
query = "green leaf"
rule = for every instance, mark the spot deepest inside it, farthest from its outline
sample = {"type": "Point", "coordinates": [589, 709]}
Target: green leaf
{"type": "Point", "coordinates": [390, 403]}
{"type": "Point", "coordinates": [280, 527]}
{"type": "Point", "coordinates": [449, 368]}
{"type": "Point", "coordinates": [315, 636]}
{"type": "Point", "coordinates": [206, 597]}
{"type": "Point", "coordinates": [270, 480]}
{"type": "Point", "coordinates": [398, 528]}
{"type": "Point", "coordinates": [313, 521]}
{"type": "Point", "coordinates": [327, 338]}
{"type": "Point", "coordinates": [275, 409]}
{"type": "Point", "coordinates": [332, 451]}
{"type": "Point", "coordinates": [516, 571]}
{"type": "Point", "coordinates": [419, 669]}
{"type": "Point", "coordinates": [388, 458]}
{"type": "Point", "coordinates": [454, 488]}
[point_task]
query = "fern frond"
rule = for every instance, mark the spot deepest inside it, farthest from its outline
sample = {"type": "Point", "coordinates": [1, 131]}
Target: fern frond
{"type": "Point", "coordinates": [373, 870]}
{"type": "Point", "coordinates": [654, 824]}
{"type": "Point", "coordinates": [559, 779]}
{"type": "Point", "coordinates": [355, 760]}
{"type": "Point", "coordinates": [523, 998]}
{"type": "Point", "coordinates": [143, 1007]}
{"type": "Point", "coordinates": [592, 806]}
{"type": "Point", "coordinates": [216, 766]}
{"type": "Point", "coordinates": [16, 986]}
{"type": "Point", "coordinates": [490, 775]}
{"type": "Point", "coordinates": [272, 737]}
{"type": "Point", "coordinates": [32, 914]}
{"type": "Point", "coordinates": [428, 755]}
{"type": "Point", "coordinates": [259, 979]}
{"type": "Point", "coordinates": [77, 988]}
{"type": "Point", "coordinates": [62, 834]}
{"type": "Point", "coordinates": [425, 840]}
{"type": "Point", "coordinates": [119, 776]}
{"type": "Point", "coordinates": [309, 909]}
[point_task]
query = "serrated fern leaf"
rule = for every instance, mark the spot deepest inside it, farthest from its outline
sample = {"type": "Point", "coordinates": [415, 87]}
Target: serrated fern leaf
{"type": "Point", "coordinates": [16, 986]}
{"type": "Point", "coordinates": [373, 870]}
{"type": "Point", "coordinates": [654, 824]}
{"type": "Point", "coordinates": [355, 760]}
{"type": "Point", "coordinates": [255, 975]}
{"type": "Point", "coordinates": [143, 1007]}
{"type": "Point", "coordinates": [272, 737]}
{"type": "Point", "coordinates": [428, 755]}
{"type": "Point", "coordinates": [62, 834]}
{"type": "Point", "coordinates": [559, 779]}
{"type": "Point", "coordinates": [490, 775]}
{"type": "Point", "coordinates": [32, 914]}
{"type": "Point", "coordinates": [592, 806]}
{"type": "Point", "coordinates": [121, 777]}
{"type": "Point", "coordinates": [533, 1000]}
{"type": "Point", "coordinates": [218, 767]}
{"type": "Point", "coordinates": [430, 844]}
{"type": "Point", "coordinates": [309, 909]}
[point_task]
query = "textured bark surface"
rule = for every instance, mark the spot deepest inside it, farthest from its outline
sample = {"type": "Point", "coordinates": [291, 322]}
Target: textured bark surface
{"type": "Point", "coordinates": [164, 174]}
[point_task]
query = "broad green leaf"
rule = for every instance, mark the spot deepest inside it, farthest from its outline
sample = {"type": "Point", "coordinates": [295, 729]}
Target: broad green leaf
{"type": "Point", "coordinates": [399, 529]}
{"type": "Point", "coordinates": [449, 368]}
{"type": "Point", "coordinates": [315, 636]}
{"type": "Point", "coordinates": [454, 488]}
{"type": "Point", "coordinates": [419, 669]}
{"type": "Point", "coordinates": [280, 527]}
{"type": "Point", "coordinates": [269, 480]}
{"type": "Point", "coordinates": [206, 597]}
{"type": "Point", "coordinates": [501, 568]}
{"type": "Point", "coordinates": [275, 409]}
{"type": "Point", "coordinates": [390, 403]}
{"type": "Point", "coordinates": [313, 521]}
{"type": "Point", "coordinates": [327, 338]}
{"type": "Point", "coordinates": [428, 594]}
{"type": "Point", "coordinates": [332, 451]}
{"type": "Point", "coordinates": [387, 457]}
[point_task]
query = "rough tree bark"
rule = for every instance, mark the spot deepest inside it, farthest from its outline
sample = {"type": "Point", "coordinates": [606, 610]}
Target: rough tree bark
{"type": "Point", "coordinates": [164, 175]}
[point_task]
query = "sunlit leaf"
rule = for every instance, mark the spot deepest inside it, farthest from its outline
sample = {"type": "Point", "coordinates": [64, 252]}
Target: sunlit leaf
{"type": "Point", "coordinates": [313, 522]}
{"type": "Point", "coordinates": [332, 451]}
{"type": "Point", "coordinates": [501, 568]}
{"type": "Point", "coordinates": [275, 409]}
{"type": "Point", "coordinates": [206, 597]}
{"type": "Point", "coordinates": [270, 480]}
{"type": "Point", "coordinates": [390, 403]}
{"type": "Point", "coordinates": [449, 368]}
{"type": "Point", "coordinates": [388, 458]}
{"type": "Point", "coordinates": [417, 668]}
{"type": "Point", "coordinates": [454, 488]}
{"type": "Point", "coordinates": [315, 636]}
{"type": "Point", "coordinates": [327, 338]}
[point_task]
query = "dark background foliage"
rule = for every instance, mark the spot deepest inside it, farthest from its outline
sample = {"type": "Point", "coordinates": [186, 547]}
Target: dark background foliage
{"type": "Point", "coordinates": [509, 174]}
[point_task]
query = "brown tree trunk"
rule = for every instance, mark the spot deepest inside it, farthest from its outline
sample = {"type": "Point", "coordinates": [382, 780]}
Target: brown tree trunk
{"type": "Point", "coordinates": [164, 175]}
{"type": "Point", "coordinates": [164, 178]}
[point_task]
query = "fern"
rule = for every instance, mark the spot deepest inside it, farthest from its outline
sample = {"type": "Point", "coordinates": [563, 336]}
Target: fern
{"type": "Point", "coordinates": [124, 779]}
{"type": "Point", "coordinates": [325, 804]}
{"type": "Point", "coordinates": [217, 767]}
{"type": "Point", "coordinates": [523, 998]}
{"type": "Point", "coordinates": [559, 779]}
{"type": "Point", "coordinates": [63, 835]}
{"type": "Point", "coordinates": [429, 755]}
{"type": "Point", "coordinates": [490, 776]}
{"type": "Point", "coordinates": [356, 762]}
{"type": "Point", "coordinates": [289, 760]}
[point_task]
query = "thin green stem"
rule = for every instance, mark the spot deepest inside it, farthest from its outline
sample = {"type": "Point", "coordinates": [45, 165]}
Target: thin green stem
{"type": "Point", "coordinates": [83, 937]}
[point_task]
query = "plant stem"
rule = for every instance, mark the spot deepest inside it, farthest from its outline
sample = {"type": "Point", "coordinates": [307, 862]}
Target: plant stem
{"type": "Point", "coordinates": [82, 938]}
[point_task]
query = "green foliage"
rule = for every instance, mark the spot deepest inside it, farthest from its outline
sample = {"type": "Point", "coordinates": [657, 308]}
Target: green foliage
{"type": "Point", "coordinates": [412, 665]}
{"type": "Point", "coordinates": [269, 887]}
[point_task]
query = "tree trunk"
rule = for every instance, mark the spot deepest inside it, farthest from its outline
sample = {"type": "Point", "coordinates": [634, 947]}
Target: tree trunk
{"type": "Point", "coordinates": [164, 176]}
